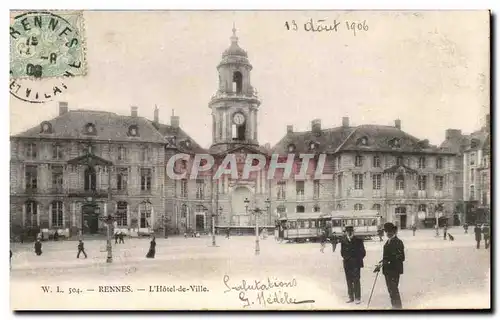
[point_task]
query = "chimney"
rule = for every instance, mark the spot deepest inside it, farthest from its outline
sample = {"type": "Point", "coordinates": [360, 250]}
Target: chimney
{"type": "Point", "coordinates": [289, 129]}
{"type": "Point", "coordinates": [174, 120]}
{"type": "Point", "coordinates": [157, 115]}
{"type": "Point", "coordinates": [345, 122]}
{"type": "Point", "coordinates": [133, 111]}
{"type": "Point", "coordinates": [316, 125]}
{"type": "Point", "coordinates": [63, 108]}
{"type": "Point", "coordinates": [453, 134]}
{"type": "Point", "coordinates": [397, 124]}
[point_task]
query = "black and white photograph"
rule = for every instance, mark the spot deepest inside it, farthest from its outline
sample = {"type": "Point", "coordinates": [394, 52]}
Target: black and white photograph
{"type": "Point", "coordinates": [250, 160]}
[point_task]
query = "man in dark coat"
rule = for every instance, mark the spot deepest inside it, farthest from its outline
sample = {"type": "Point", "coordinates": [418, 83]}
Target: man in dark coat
{"type": "Point", "coordinates": [38, 247]}
{"type": "Point", "coordinates": [466, 228]}
{"type": "Point", "coordinates": [81, 249]}
{"type": "Point", "coordinates": [486, 235]}
{"type": "Point", "coordinates": [392, 263]}
{"type": "Point", "coordinates": [121, 236]}
{"type": "Point", "coordinates": [353, 252]}
{"type": "Point", "coordinates": [477, 233]}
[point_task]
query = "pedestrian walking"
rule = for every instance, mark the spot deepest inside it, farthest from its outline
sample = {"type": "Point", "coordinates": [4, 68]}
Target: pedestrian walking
{"type": "Point", "coordinates": [477, 233]}
{"type": "Point", "coordinates": [334, 240]}
{"type": "Point", "coordinates": [116, 237]}
{"type": "Point", "coordinates": [392, 264]}
{"type": "Point", "coordinates": [414, 228]}
{"type": "Point", "coordinates": [380, 233]}
{"type": "Point", "coordinates": [228, 233]}
{"type": "Point", "coordinates": [486, 235]}
{"type": "Point", "coordinates": [322, 239]}
{"type": "Point", "coordinates": [56, 236]}
{"type": "Point", "coordinates": [445, 231]}
{"type": "Point", "coordinates": [152, 249]}
{"type": "Point", "coordinates": [353, 252]}
{"type": "Point", "coordinates": [466, 228]}
{"type": "Point", "coordinates": [38, 247]}
{"type": "Point", "coordinates": [81, 249]}
{"type": "Point", "coordinates": [121, 236]}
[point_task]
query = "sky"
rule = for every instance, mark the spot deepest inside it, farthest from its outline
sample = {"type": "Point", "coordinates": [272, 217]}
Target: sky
{"type": "Point", "coordinates": [429, 69]}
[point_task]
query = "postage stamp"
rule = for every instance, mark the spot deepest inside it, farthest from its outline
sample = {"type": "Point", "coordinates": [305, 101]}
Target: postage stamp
{"type": "Point", "coordinates": [46, 44]}
{"type": "Point", "coordinates": [46, 48]}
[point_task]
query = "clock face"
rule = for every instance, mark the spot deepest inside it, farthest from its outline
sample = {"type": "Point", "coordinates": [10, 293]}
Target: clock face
{"type": "Point", "coordinates": [239, 118]}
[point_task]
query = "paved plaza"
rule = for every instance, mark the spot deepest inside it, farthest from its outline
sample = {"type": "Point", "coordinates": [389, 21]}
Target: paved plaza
{"type": "Point", "coordinates": [437, 273]}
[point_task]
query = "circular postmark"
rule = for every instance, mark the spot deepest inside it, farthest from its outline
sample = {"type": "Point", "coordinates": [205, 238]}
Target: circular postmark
{"type": "Point", "coordinates": [45, 50]}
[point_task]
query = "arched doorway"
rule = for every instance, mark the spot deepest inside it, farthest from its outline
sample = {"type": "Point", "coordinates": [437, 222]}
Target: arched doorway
{"type": "Point", "coordinates": [240, 217]}
{"type": "Point", "coordinates": [90, 218]}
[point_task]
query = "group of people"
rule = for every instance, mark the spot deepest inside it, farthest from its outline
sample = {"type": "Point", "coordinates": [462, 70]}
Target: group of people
{"type": "Point", "coordinates": [481, 231]}
{"type": "Point", "coordinates": [353, 252]}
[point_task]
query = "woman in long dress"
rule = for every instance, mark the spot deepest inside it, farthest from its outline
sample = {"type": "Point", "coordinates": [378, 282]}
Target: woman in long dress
{"type": "Point", "coordinates": [152, 249]}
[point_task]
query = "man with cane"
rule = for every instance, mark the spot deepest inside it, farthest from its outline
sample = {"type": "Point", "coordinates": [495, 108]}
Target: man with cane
{"type": "Point", "coordinates": [392, 264]}
{"type": "Point", "coordinates": [353, 251]}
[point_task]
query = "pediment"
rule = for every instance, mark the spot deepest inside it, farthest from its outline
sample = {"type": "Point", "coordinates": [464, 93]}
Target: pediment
{"type": "Point", "coordinates": [90, 160]}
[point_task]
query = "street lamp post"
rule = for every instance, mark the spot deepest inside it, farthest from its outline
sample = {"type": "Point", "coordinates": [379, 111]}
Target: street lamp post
{"type": "Point", "coordinates": [213, 226]}
{"type": "Point", "coordinates": [108, 220]}
{"type": "Point", "coordinates": [257, 212]}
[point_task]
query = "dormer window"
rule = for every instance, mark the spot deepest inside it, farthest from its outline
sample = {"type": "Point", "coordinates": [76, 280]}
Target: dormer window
{"type": "Point", "coordinates": [187, 144]}
{"type": "Point", "coordinates": [133, 131]}
{"type": "Point", "coordinates": [90, 128]}
{"type": "Point", "coordinates": [395, 143]}
{"type": "Point", "coordinates": [313, 145]}
{"type": "Point", "coordinates": [399, 161]}
{"type": "Point", "coordinates": [291, 148]}
{"type": "Point", "coordinates": [363, 141]}
{"type": "Point", "coordinates": [46, 127]}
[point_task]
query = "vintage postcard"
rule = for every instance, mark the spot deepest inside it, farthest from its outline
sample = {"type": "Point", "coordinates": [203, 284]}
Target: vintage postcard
{"type": "Point", "coordinates": [249, 160]}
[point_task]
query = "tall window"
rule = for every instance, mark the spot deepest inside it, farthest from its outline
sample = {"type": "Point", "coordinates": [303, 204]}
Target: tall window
{"type": "Point", "coordinates": [472, 193]}
{"type": "Point", "coordinates": [122, 179]}
{"type": "Point", "coordinates": [122, 153]}
{"type": "Point", "coordinates": [472, 175]}
{"type": "Point", "coordinates": [339, 184]}
{"type": "Point", "coordinates": [358, 207]}
{"type": "Point", "coordinates": [184, 210]}
{"type": "Point", "coordinates": [57, 214]}
{"type": "Point", "coordinates": [31, 151]}
{"type": "Point", "coordinates": [299, 187]}
{"type": "Point", "coordinates": [57, 152]}
{"type": "Point", "coordinates": [422, 208]}
{"type": "Point", "coordinates": [145, 209]}
{"type": "Point", "coordinates": [145, 179]}
{"type": "Point", "coordinates": [472, 159]}
{"type": "Point", "coordinates": [376, 162]}
{"type": "Point", "coordinates": [281, 190]}
{"type": "Point", "coordinates": [121, 214]}
{"type": "Point", "coordinates": [57, 178]}
{"type": "Point", "coordinates": [400, 182]}
{"type": "Point", "coordinates": [31, 177]}
{"type": "Point", "coordinates": [399, 161]}
{"type": "Point", "coordinates": [145, 154]}
{"type": "Point", "coordinates": [316, 189]}
{"type": "Point", "coordinates": [422, 183]}
{"type": "Point", "coordinates": [421, 162]}
{"type": "Point", "coordinates": [358, 161]}
{"type": "Point", "coordinates": [439, 163]}
{"type": "Point", "coordinates": [31, 214]}
{"type": "Point", "coordinates": [439, 183]}
{"type": "Point", "coordinates": [281, 210]}
{"type": "Point", "coordinates": [184, 188]}
{"type": "Point", "coordinates": [358, 181]}
{"type": "Point", "coordinates": [200, 189]}
{"type": "Point", "coordinates": [300, 209]}
{"type": "Point", "coordinates": [377, 181]}
{"type": "Point", "coordinates": [90, 179]}
{"type": "Point", "coordinates": [237, 82]}
{"type": "Point", "coordinates": [376, 207]}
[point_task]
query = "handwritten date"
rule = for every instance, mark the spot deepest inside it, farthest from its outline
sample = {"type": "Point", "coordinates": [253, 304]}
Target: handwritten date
{"type": "Point", "coordinates": [322, 25]}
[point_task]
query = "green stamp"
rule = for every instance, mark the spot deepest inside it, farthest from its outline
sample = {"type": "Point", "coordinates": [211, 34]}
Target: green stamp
{"type": "Point", "coordinates": [45, 44]}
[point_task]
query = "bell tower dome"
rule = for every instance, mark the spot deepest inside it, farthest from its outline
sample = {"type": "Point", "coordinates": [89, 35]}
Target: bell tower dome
{"type": "Point", "coordinates": [235, 104]}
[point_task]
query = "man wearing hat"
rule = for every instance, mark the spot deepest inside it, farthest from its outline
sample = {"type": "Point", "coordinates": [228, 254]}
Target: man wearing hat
{"type": "Point", "coordinates": [392, 263]}
{"type": "Point", "coordinates": [353, 252]}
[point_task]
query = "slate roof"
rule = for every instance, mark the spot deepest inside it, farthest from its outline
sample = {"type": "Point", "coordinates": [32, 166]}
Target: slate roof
{"type": "Point", "coordinates": [108, 125]}
{"type": "Point", "coordinates": [464, 143]}
{"type": "Point", "coordinates": [378, 138]}
{"type": "Point", "coordinates": [327, 140]}
{"type": "Point", "coordinates": [112, 127]}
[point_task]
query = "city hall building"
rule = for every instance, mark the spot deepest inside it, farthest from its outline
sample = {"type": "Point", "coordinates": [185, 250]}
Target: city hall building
{"type": "Point", "coordinates": [68, 172]}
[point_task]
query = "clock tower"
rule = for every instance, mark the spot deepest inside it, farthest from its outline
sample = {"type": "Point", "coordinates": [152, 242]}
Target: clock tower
{"type": "Point", "coordinates": [235, 104]}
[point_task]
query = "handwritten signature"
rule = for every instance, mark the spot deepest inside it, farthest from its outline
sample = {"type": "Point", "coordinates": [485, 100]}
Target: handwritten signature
{"type": "Point", "coordinates": [258, 285]}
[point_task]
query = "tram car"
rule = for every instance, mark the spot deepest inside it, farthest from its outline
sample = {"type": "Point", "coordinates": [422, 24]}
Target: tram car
{"type": "Point", "coordinates": [303, 227]}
